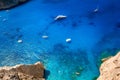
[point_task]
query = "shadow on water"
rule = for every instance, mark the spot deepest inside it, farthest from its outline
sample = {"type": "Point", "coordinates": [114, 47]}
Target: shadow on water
{"type": "Point", "coordinates": [59, 47]}
{"type": "Point", "coordinates": [44, 31]}
{"type": "Point", "coordinates": [13, 33]}
{"type": "Point", "coordinates": [118, 24]}
{"type": "Point", "coordinates": [46, 74]}
{"type": "Point", "coordinates": [92, 24]}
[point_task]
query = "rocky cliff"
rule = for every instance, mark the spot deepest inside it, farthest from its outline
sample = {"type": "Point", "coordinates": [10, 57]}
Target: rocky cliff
{"type": "Point", "coordinates": [6, 4]}
{"type": "Point", "coordinates": [110, 68]}
{"type": "Point", "coordinates": [22, 72]}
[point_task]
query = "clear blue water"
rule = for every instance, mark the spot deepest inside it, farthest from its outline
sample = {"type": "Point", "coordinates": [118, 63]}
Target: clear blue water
{"type": "Point", "coordinates": [94, 35]}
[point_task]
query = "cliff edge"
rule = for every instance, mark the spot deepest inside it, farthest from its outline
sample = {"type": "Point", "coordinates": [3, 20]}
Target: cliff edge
{"type": "Point", "coordinates": [6, 4]}
{"type": "Point", "coordinates": [110, 68]}
{"type": "Point", "coordinates": [22, 72]}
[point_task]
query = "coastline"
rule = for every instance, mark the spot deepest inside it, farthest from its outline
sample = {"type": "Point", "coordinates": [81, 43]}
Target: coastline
{"type": "Point", "coordinates": [110, 68]}
{"type": "Point", "coordinates": [4, 5]}
{"type": "Point", "coordinates": [21, 72]}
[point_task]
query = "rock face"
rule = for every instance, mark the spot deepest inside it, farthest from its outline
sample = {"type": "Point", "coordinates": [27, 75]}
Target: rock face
{"type": "Point", "coordinates": [6, 4]}
{"type": "Point", "coordinates": [22, 72]}
{"type": "Point", "coordinates": [110, 69]}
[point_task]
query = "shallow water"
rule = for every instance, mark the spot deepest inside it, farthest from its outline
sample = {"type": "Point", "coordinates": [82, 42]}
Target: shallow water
{"type": "Point", "coordinates": [94, 35]}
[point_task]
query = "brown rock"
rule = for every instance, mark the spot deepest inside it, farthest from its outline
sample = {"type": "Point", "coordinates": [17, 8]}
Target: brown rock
{"type": "Point", "coordinates": [110, 69]}
{"type": "Point", "coordinates": [6, 4]}
{"type": "Point", "coordinates": [22, 72]}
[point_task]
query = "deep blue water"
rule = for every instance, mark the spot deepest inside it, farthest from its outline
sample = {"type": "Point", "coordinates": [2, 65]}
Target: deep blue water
{"type": "Point", "coordinates": [94, 36]}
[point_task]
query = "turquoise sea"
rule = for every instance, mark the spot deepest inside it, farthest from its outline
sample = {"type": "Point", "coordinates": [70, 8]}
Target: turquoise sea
{"type": "Point", "coordinates": [94, 35]}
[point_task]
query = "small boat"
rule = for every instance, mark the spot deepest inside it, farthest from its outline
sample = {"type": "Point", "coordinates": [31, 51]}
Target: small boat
{"type": "Point", "coordinates": [19, 41]}
{"type": "Point", "coordinates": [59, 17]}
{"type": "Point", "coordinates": [96, 10]}
{"type": "Point", "coordinates": [68, 40]}
{"type": "Point", "coordinates": [44, 36]}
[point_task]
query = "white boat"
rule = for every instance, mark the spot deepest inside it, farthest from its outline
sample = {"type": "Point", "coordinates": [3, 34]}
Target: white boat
{"type": "Point", "coordinates": [68, 40]}
{"type": "Point", "coordinates": [44, 36]}
{"type": "Point", "coordinates": [19, 41]}
{"type": "Point", "coordinates": [96, 10]}
{"type": "Point", "coordinates": [60, 17]}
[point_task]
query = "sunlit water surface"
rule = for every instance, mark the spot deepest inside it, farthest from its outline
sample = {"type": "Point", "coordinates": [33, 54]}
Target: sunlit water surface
{"type": "Point", "coordinates": [94, 35]}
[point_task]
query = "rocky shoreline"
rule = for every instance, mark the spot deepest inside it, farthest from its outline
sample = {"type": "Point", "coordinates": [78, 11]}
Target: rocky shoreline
{"type": "Point", "coordinates": [23, 72]}
{"type": "Point", "coordinates": [7, 4]}
{"type": "Point", "coordinates": [110, 68]}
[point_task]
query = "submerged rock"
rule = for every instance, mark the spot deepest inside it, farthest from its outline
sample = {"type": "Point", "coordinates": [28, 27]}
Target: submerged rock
{"type": "Point", "coordinates": [22, 72]}
{"type": "Point", "coordinates": [6, 4]}
{"type": "Point", "coordinates": [110, 68]}
{"type": "Point", "coordinates": [96, 10]}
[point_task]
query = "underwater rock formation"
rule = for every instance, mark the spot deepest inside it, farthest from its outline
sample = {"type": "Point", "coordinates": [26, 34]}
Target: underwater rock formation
{"type": "Point", "coordinates": [110, 68]}
{"type": "Point", "coordinates": [6, 4]}
{"type": "Point", "coordinates": [22, 72]}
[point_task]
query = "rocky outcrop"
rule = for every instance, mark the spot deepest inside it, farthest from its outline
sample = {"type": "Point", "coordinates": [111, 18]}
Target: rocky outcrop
{"type": "Point", "coordinates": [110, 68]}
{"type": "Point", "coordinates": [22, 72]}
{"type": "Point", "coordinates": [6, 4]}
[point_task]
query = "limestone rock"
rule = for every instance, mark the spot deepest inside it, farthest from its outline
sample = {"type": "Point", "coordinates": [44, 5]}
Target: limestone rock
{"type": "Point", "coordinates": [22, 72]}
{"type": "Point", "coordinates": [110, 68]}
{"type": "Point", "coordinates": [6, 4]}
